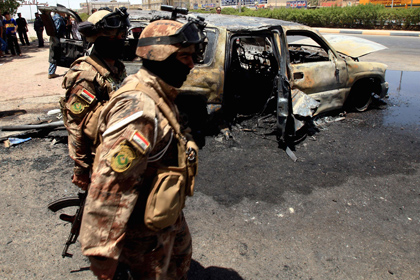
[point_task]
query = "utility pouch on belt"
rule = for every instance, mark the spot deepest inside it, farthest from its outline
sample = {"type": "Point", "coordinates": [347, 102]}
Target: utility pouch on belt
{"type": "Point", "coordinates": [171, 184]}
{"type": "Point", "coordinates": [166, 199]}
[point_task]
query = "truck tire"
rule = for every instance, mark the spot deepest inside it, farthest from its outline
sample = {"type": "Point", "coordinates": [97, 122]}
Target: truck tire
{"type": "Point", "coordinates": [361, 96]}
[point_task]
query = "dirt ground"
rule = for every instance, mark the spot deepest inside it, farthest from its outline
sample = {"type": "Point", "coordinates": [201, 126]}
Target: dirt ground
{"type": "Point", "coordinates": [347, 209]}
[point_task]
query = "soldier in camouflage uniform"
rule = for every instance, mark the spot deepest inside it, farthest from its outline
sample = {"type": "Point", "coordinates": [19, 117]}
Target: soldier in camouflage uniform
{"type": "Point", "coordinates": [145, 165]}
{"type": "Point", "coordinates": [89, 83]}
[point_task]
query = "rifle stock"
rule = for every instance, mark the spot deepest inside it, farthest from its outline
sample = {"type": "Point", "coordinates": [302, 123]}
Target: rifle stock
{"type": "Point", "coordinates": [75, 220]}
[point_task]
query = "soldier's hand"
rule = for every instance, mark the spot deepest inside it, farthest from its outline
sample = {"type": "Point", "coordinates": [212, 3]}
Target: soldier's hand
{"type": "Point", "coordinates": [103, 268]}
{"type": "Point", "coordinates": [81, 180]}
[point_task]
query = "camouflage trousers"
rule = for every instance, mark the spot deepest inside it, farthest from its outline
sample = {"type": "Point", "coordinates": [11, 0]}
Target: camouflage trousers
{"type": "Point", "coordinates": [162, 255]}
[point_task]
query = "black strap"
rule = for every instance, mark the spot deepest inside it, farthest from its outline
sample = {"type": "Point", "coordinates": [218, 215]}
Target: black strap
{"type": "Point", "coordinates": [161, 40]}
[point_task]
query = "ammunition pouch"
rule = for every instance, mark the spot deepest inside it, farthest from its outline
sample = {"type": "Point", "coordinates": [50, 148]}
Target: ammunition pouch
{"type": "Point", "coordinates": [170, 188]}
{"type": "Point", "coordinates": [166, 198]}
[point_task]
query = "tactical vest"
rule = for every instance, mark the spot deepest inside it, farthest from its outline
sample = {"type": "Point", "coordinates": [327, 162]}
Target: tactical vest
{"type": "Point", "coordinates": [171, 184]}
{"type": "Point", "coordinates": [104, 79]}
{"type": "Point", "coordinates": [99, 74]}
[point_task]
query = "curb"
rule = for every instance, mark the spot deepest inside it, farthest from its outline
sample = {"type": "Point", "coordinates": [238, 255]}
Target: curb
{"type": "Point", "coordinates": [369, 32]}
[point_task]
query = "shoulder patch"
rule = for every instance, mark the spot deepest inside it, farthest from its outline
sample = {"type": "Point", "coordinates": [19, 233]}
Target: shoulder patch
{"type": "Point", "coordinates": [122, 157]}
{"type": "Point", "coordinates": [78, 107]}
{"type": "Point", "coordinates": [86, 96]}
{"type": "Point", "coordinates": [82, 99]}
{"type": "Point", "coordinates": [140, 141]}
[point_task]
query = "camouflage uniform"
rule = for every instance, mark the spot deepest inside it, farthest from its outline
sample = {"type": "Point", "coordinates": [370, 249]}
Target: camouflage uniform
{"type": "Point", "coordinates": [88, 84]}
{"type": "Point", "coordinates": [136, 140]}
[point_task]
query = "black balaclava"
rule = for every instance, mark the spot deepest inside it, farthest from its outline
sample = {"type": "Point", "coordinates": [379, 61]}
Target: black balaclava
{"type": "Point", "coordinates": [109, 48]}
{"type": "Point", "coordinates": [171, 70]}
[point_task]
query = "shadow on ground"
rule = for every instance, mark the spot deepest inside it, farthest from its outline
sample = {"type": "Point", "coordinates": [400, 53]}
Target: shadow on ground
{"type": "Point", "coordinates": [198, 272]}
{"type": "Point", "coordinates": [27, 52]}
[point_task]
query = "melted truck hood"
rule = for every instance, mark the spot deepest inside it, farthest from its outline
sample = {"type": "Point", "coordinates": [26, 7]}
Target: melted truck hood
{"type": "Point", "coordinates": [348, 45]}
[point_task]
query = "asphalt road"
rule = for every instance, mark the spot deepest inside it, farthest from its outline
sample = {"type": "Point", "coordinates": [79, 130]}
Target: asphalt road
{"type": "Point", "coordinates": [402, 53]}
{"type": "Point", "coordinates": [347, 209]}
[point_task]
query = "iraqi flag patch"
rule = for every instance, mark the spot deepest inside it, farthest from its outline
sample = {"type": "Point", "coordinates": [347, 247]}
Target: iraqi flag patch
{"type": "Point", "coordinates": [140, 141]}
{"type": "Point", "coordinates": [87, 96]}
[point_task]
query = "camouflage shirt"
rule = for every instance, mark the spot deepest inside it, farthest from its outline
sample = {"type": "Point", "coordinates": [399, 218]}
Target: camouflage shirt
{"type": "Point", "coordinates": [135, 139]}
{"type": "Point", "coordinates": [88, 84]}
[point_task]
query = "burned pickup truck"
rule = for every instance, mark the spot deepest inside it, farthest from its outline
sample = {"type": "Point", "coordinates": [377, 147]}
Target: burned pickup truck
{"type": "Point", "coordinates": [267, 66]}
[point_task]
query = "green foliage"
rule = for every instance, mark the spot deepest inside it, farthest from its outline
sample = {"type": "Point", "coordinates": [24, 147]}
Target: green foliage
{"type": "Point", "coordinates": [361, 16]}
{"type": "Point", "coordinates": [412, 18]}
{"type": "Point", "coordinates": [230, 11]}
{"type": "Point", "coordinates": [84, 16]}
{"type": "Point", "coordinates": [9, 6]}
{"type": "Point", "coordinates": [212, 11]}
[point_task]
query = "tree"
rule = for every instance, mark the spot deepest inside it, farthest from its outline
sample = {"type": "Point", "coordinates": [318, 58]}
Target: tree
{"type": "Point", "coordinates": [9, 6]}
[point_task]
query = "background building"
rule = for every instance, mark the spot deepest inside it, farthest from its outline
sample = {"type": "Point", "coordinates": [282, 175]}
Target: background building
{"type": "Point", "coordinates": [87, 6]}
{"type": "Point", "coordinates": [155, 4]}
{"type": "Point", "coordinates": [205, 4]}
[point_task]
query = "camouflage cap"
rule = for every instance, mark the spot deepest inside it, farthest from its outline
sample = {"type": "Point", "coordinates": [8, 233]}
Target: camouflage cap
{"type": "Point", "coordinates": [159, 28]}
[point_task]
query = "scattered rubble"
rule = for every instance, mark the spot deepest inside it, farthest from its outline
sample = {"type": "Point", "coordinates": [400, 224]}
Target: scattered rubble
{"type": "Point", "coordinates": [15, 141]}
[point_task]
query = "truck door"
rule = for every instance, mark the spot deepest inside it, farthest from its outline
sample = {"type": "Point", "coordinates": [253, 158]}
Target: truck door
{"type": "Point", "coordinates": [284, 109]}
{"type": "Point", "coordinates": [69, 49]}
{"type": "Point", "coordinates": [315, 69]}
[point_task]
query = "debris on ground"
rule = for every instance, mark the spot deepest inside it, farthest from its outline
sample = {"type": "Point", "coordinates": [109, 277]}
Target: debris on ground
{"type": "Point", "coordinates": [54, 112]}
{"type": "Point", "coordinates": [15, 141]}
{"type": "Point", "coordinates": [290, 153]}
{"type": "Point", "coordinates": [320, 122]}
{"type": "Point", "coordinates": [32, 126]}
{"type": "Point", "coordinates": [12, 113]}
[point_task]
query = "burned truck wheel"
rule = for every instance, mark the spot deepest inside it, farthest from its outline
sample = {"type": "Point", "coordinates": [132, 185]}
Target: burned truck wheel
{"type": "Point", "coordinates": [193, 111]}
{"type": "Point", "coordinates": [361, 95]}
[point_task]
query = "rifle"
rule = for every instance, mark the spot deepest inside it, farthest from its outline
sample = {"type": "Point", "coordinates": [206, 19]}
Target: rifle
{"type": "Point", "coordinates": [75, 220]}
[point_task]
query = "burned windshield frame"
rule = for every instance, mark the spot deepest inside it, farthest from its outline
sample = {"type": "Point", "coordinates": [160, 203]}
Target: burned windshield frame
{"type": "Point", "coordinates": [212, 35]}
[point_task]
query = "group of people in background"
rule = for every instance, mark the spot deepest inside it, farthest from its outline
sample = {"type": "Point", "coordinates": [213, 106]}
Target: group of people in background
{"type": "Point", "coordinates": [11, 28]}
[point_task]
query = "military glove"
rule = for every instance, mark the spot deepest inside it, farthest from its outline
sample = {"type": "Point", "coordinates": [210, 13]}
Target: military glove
{"type": "Point", "coordinates": [82, 181]}
{"type": "Point", "coordinates": [102, 267]}
{"type": "Point", "coordinates": [81, 177]}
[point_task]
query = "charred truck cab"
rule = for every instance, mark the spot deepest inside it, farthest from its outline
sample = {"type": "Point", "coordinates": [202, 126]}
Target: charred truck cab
{"type": "Point", "coordinates": [244, 71]}
{"type": "Point", "coordinates": [268, 66]}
